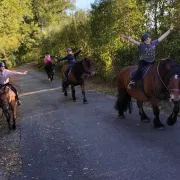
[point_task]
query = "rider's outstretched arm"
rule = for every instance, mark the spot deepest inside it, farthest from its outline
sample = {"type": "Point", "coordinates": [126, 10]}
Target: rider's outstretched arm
{"type": "Point", "coordinates": [14, 73]}
{"type": "Point", "coordinates": [130, 39]}
{"type": "Point", "coordinates": [165, 34]}
{"type": "Point", "coordinates": [61, 59]}
{"type": "Point", "coordinates": [77, 53]}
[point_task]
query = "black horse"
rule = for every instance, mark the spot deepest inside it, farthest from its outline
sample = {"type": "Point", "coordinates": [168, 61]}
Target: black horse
{"type": "Point", "coordinates": [75, 76]}
{"type": "Point", "coordinates": [50, 70]}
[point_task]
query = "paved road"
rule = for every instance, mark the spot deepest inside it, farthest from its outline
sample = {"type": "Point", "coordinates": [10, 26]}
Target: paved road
{"type": "Point", "coordinates": [63, 140]}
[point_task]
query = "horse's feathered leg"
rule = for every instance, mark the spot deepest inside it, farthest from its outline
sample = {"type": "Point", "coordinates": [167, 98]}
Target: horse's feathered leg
{"type": "Point", "coordinates": [144, 117]}
{"type": "Point", "coordinates": [14, 110]}
{"type": "Point", "coordinates": [73, 92]}
{"type": "Point", "coordinates": [84, 94]}
{"type": "Point", "coordinates": [157, 122]}
{"type": "Point", "coordinates": [173, 117]}
{"type": "Point", "coordinates": [8, 117]}
{"type": "Point", "coordinates": [64, 88]}
{"type": "Point", "coordinates": [123, 103]}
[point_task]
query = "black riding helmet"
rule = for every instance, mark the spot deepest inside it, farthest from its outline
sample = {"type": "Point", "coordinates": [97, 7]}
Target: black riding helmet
{"type": "Point", "coordinates": [2, 64]}
{"type": "Point", "coordinates": [144, 37]}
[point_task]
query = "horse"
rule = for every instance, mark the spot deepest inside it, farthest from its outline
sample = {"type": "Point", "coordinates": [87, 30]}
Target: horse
{"type": "Point", "coordinates": [161, 82]}
{"type": "Point", "coordinates": [75, 77]}
{"type": "Point", "coordinates": [50, 69]}
{"type": "Point", "coordinates": [8, 105]}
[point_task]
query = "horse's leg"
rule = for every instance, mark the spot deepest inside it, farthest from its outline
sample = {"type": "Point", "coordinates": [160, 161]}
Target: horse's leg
{"type": "Point", "coordinates": [64, 88]}
{"type": "Point", "coordinates": [144, 117]}
{"type": "Point", "coordinates": [52, 75]}
{"type": "Point", "coordinates": [121, 103]}
{"type": "Point", "coordinates": [157, 122]}
{"type": "Point", "coordinates": [83, 93]}
{"type": "Point", "coordinates": [8, 117]}
{"type": "Point", "coordinates": [73, 93]}
{"type": "Point", "coordinates": [173, 117]}
{"type": "Point", "coordinates": [14, 110]}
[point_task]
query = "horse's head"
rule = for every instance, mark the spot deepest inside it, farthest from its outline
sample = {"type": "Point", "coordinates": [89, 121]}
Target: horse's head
{"type": "Point", "coordinates": [4, 99]}
{"type": "Point", "coordinates": [174, 88]}
{"type": "Point", "coordinates": [87, 63]}
{"type": "Point", "coordinates": [173, 79]}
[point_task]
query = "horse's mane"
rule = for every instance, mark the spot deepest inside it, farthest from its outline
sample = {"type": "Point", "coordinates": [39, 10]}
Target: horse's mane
{"type": "Point", "coordinates": [3, 90]}
{"type": "Point", "coordinates": [78, 69]}
{"type": "Point", "coordinates": [168, 73]}
{"type": "Point", "coordinates": [172, 63]}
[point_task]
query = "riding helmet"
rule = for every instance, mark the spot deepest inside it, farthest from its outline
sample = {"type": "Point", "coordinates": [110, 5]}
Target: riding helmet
{"type": "Point", "coordinates": [2, 64]}
{"type": "Point", "coordinates": [145, 36]}
{"type": "Point", "coordinates": [69, 49]}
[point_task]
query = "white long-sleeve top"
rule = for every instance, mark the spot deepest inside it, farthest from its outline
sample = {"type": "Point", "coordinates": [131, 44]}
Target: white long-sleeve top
{"type": "Point", "coordinates": [6, 74]}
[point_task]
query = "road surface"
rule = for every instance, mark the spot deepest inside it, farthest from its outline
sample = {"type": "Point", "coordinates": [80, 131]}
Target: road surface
{"type": "Point", "coordinates": [66, 140]}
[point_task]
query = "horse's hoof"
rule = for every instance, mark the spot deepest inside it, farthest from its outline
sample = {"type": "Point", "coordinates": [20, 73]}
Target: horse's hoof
{"type": "Point", "coordinates": [65, 94]}
{"type": "Point", "coordinates": [121, 117]}
{"type": "Point", "coordinates": [145, 121]}
{"type": "Point", "coordinates": [161, 127]}
{"type": "Point", "coordinates": [171, 121]}
{"type": "Point", "coordinates": [85, 102]}
{"type": "Point", "coordinates": [14, 127]}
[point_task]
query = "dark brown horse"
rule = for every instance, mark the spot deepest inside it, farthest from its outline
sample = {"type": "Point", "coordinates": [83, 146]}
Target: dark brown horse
{"type": "Point", "coordinates": [50, 69]}
{"type": "Point", "coordinates": [8, 105]}
{"type": "Point", "coordinates": [162, 82]}
{"type": "Point", "coordinates": [75, 77]}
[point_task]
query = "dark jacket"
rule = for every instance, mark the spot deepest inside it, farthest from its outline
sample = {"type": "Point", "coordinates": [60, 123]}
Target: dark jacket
{"type": "Point", "coordinates": [70, 57]}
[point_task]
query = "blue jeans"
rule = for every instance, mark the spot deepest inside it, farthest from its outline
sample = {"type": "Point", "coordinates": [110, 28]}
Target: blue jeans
{"type": "Point", "coordinates": [68, 69]}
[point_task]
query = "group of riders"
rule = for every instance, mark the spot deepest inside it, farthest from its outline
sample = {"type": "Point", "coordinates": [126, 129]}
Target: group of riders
{"type": "Point", "coordinates": [70, 57]}
{"type": "Point", "coordinates": [146, 49]}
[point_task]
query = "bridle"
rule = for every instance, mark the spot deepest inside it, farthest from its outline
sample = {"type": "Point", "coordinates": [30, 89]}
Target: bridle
{"type": "Point", "coordinates": [169, 90]}
{"type": "Point", "coordinates": [85, 68]}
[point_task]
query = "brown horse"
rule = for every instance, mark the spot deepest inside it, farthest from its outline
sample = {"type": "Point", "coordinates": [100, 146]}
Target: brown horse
{"type": "Point", "coordinates": [8, 105]}
{"type": "Point", "coordinates": [75, 77]}
{"type": "Point", "coordinates": [162, 82]}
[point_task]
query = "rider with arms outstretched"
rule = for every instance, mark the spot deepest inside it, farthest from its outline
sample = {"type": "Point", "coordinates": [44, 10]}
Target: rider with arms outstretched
{"type": "Point", "coordinates": [5, 74]}
{"type": "Point", "coordinates": [147, 52]}
{"type": "Point", "coordinates": [71, 60]}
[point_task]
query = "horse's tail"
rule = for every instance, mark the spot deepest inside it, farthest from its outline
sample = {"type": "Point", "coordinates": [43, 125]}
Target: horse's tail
{"type": "Point", "coordinates": [123, 102]}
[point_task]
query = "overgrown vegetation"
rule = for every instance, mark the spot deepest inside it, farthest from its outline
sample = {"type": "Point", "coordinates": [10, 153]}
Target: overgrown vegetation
{"type": "Point", "coordinates": [30, 28]}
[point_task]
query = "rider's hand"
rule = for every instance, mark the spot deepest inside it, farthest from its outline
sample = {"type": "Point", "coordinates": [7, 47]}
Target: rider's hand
{"type": "Point", "coordinates": [171, 27]}
{"type": "Point", "coordinates": [124, 36]}
{"type": "Point", "coordinates": [25, 72]}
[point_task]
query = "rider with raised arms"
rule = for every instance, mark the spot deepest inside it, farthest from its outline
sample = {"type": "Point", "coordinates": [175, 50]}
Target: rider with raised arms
{"type": "Point", "coordinates": [71, 60]}
{"type": "Point", "coordinates": [147, 52]}
{"type": "Point", "coordinates": [5, 74]}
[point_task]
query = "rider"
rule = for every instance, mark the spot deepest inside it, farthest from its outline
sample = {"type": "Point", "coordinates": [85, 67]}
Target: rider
{"type": "Point", "coordinates": [147, 52]}
{"type": "Point", "coordinates": [47, 59]}
{"type": "Point", "coordinates": [4, 79]}
{"type": "Point", "coordinates": [71, 60]}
